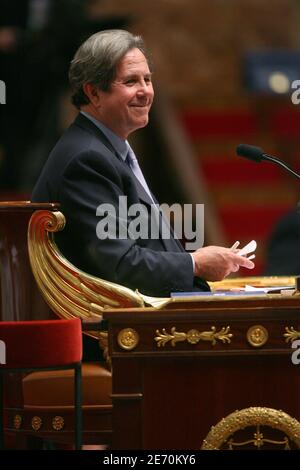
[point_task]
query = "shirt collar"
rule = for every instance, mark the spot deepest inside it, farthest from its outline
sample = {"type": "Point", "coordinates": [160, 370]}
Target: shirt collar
{"type": "Point", "coordinates": [120, 145]}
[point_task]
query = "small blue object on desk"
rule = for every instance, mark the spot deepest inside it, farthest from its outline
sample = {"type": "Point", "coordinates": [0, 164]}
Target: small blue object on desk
{"type": "Point", "coordinates": [216, 294]}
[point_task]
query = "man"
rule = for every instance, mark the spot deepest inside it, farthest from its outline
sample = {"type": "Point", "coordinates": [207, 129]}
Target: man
{"type": "Point", "coordinates": [93, 164]}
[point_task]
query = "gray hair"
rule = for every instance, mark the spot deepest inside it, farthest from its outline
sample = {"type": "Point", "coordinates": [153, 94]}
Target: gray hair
{"type": "Point", "coordinates": [96, 60]}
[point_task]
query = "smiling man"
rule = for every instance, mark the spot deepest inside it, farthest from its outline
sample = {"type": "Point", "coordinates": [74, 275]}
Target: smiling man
{"type": "Point", "coordinates": [92, 168]}
{"type": "Point", "coordinates": [125, 108]}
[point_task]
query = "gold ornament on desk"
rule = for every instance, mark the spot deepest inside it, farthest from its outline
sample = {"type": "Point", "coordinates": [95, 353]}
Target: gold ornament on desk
{"type": "Point", "coordinates": [193, 336]}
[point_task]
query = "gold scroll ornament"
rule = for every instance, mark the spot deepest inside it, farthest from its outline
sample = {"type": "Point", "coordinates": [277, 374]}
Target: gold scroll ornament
{"type": "Point", "coordinates": [291, 334]}
{"type": "Point", "coordinates": [193, 336]}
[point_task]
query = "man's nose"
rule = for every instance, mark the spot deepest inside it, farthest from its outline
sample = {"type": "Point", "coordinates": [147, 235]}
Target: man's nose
{"type": "Point", "coordinates": [145, 88]}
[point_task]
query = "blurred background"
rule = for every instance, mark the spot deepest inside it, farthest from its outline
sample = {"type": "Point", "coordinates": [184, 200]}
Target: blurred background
{"type": "Point", "coordinates": [223, 71]}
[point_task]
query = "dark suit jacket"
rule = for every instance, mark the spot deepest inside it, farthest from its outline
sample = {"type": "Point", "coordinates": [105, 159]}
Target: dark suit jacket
{"type": "Point", "coordinates": [84, 171]}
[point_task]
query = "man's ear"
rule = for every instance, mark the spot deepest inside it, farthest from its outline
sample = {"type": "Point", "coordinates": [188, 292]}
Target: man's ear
{"type": "Point", "coordinates": [93, 93]}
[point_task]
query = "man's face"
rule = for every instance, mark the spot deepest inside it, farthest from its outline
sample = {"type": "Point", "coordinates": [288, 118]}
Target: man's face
{"type": "Point", "coordinates": [125, 107]}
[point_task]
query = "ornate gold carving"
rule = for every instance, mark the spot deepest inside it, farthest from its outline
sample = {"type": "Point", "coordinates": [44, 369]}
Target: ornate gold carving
{"type": "Point", "coordinates": [69, 291]}
{"type": "Point", "coordinates": [58, 423]}
{"type": "Point", "coordinates": [17, 421]}
{"type": "Point", "coordinates": [258, 441]}
{"type": "Point", "coordinates": [128, 339]}
{"type": "Point", "coordinates": [193, 336]}
{"type": "Point", "coordinates": [253, 416]}
{"type": "Point", "coordinates": [36, 423]}
{"type": "Point", "coordinates": [291, 334]}
{"type": "Point", "coordinates": [257, 336]}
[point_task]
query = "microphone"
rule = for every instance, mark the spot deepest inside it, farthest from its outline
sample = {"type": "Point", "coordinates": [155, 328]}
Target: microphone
{"type": "Point", "coordinates": [257, 155]}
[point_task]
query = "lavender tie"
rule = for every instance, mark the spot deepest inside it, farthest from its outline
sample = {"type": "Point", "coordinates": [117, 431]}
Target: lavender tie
{"type": "Point", "coordinates": [133, 164]}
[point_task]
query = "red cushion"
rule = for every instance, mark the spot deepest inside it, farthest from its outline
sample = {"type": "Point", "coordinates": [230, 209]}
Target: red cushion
{"type": "Point", "coordinates": [46, 343]}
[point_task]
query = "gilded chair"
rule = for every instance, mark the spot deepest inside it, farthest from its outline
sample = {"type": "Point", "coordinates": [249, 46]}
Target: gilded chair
{"type": "Point", "coordinates": [47, 345]}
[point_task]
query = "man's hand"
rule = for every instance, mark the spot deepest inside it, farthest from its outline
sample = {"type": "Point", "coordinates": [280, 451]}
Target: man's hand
{"type": "Point", "coordinates": [213, 263]}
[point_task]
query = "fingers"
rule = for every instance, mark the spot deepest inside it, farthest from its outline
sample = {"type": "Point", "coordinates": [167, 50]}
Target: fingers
{"type": "Point", "coordinates": [234, 246]}
{"type": "Point", "coordinates": [235, 268]}
{"type": "Point", "coordinates": [244, 262]}
{"type": "Point", "coordinates": [213, 263]}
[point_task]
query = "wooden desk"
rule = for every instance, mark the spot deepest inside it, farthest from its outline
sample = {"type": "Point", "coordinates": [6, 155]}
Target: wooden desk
{"type": "Point", "coordinates": [169, 391]}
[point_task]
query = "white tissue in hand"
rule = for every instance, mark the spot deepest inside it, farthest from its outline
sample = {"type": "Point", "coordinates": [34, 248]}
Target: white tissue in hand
{"type": "Point", "coordinates": [249, 248]}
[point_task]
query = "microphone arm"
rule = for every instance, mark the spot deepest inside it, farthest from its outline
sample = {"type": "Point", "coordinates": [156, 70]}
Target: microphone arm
{"type": "Point", "coordinates": [257, 155]}
{"type": "Point", "coordinates": [269, 158]}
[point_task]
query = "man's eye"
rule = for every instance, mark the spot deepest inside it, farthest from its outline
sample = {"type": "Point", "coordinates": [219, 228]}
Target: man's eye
{"type": "Point", "coordinates": [130, 82]}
